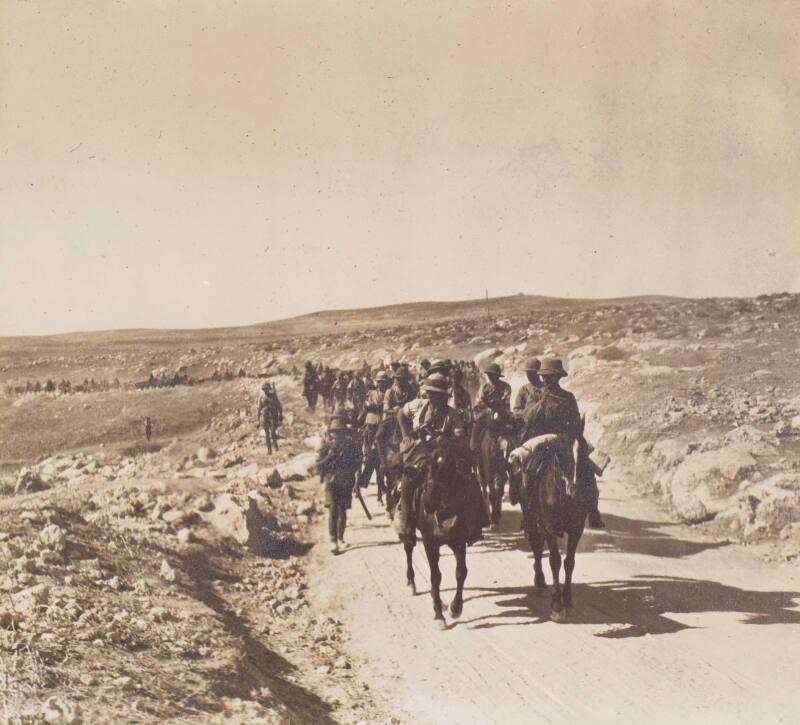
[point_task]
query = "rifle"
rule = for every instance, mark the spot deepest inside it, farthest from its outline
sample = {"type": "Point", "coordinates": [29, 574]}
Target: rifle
{"type": "Point", "coordinates": [357, 491]}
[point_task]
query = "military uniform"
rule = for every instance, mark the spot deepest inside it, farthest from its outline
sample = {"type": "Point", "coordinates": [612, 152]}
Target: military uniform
{"type": "Point", "coordinates": [270, 416]}
{"type": "Point", "coordinates": [492, 396]}
{"type": "Point", "coordinates": [310, 386]}
{"type": "Point", "coordinates": [373, 414]}
{"type": "Point", "coordinates": [338, 462]}
{"type": "Point", "coordinates": [356, 392]}
{"type": "Point", "coordinates": [423, 414]}
{"type": "Point", "coordinates": [526, 395]}
{"type": "Point", "coordinates": [555, 411]}
{"type": "Point", "coordinates": [339, 391]}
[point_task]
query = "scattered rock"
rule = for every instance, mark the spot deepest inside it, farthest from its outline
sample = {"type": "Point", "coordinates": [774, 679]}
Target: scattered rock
{"type": "Point", "coordinates": [167, 573]}
{"type": "Point", "coordinates": [29, 482]}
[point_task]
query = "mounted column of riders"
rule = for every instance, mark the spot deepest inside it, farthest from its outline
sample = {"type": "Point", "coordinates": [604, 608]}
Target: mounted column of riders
{"type": "Point", "coordinates": [382, 414]}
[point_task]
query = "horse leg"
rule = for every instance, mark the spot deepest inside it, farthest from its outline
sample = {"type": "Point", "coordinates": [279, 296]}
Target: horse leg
{"type": "Point", "coordinates": [537, 547]}
{"type": "Point", "coordinates": [556, 604]}
{"type": "Point", "coordinates": [457, 605]}
{"type": "Point", "coordinates": [497, 497]}
{"type": "Point", "coordinates": [409, 547]}
{"type": "Point", "coordinates": [573, 538]}
{"type": "Point", "coordinates": [432, 552]}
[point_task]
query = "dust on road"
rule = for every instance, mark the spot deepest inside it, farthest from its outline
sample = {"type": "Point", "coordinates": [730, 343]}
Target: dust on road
{"type": "Point", "coordinates": [666, 627]}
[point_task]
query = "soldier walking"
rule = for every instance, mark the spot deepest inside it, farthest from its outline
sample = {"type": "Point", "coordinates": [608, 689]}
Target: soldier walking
{"type": "Point", "coordinates": [270, 416]}
{"type": "Point", "coordinates": [338, 463]}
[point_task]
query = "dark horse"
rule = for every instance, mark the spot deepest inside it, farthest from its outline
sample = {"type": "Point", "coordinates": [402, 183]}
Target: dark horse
{"type": "Point", "coordinates": [552, 505]}
{"type": "Point", "coordinates": [439, 512]}
{"type": "Point", "coordinates": [493, 450]}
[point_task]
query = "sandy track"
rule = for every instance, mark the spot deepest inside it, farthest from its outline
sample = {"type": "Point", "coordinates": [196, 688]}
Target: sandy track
{"type": "Point", "coordinates": [666, 627]}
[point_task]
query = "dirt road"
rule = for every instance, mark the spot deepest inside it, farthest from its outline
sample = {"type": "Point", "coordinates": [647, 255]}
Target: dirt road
{"type": "Point", "coordinates": [666, 627]}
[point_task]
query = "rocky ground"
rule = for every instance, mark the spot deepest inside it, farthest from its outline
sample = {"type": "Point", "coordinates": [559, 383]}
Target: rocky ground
{"type": "Point", "coordinates": [170, 585]}
{"type": "Point", "coordinates": [168, 580]}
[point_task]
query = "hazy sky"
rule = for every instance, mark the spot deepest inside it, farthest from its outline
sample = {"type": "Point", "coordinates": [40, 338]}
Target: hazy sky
{"type": "Point", "coordinates": [188, 163]}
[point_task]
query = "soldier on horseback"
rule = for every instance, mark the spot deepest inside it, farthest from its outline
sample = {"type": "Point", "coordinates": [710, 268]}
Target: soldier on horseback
{"type": "Point", "coordinates": [554, 410]}
{"type": "Point", "coordinates": [421, 419]}
{"type": "Point", "coordinates": [459, 397]}
{"type": "Point", "coordinates": [373, 414]}
{"type": "Point", "coordinates": [387, 436]}
{"type": "Point", "coordinates": [494, 396]}
{"type": "Point", "coordinates": [532, 389]}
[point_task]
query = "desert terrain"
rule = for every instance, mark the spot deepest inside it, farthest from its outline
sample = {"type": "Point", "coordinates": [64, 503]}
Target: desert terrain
{"type": "Point", "coordinates": [179, 579]}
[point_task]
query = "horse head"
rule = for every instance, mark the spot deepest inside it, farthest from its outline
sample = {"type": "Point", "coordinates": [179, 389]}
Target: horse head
{"type": "Point", "coordinates": [441, 474]}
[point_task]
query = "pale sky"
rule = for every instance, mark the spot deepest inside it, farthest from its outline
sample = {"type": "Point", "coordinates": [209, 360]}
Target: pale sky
{"type": "Point", "coordinates": [193, 163]}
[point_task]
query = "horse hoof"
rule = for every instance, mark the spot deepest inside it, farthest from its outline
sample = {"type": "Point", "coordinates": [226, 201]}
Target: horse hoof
{"type": "Point", "coordinates": [558, 616]}
{"type": "Point", "coordinates": [455, 612]}
{"type": "Point", "coordinates": [412, 587]}
{"type": "Point", "coordinates": [441, 623]}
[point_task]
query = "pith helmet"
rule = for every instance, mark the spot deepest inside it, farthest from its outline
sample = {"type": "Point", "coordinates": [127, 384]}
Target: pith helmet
{"type": "Point", "coordinates": [381, 376]}
{"type": "Point", "coordinates": [493, 369]}
{"type": "Point", "coordinates": [533, 365]}
{"type": "Point", "coordinates": [437, 366]}
{"type": "Point", "coordinates": [552, 366]}
{"type": "Point", "coordinates": [436, 383]}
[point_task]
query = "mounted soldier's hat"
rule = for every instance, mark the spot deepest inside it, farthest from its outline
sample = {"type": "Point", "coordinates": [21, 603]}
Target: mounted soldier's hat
{"type": "Point", "coordinates": [381, 376]}
{"type": "Point", "coordinates": [436, 383]}
{"type": "Point", "coordinates": [437, 366]}
{"type": "Point", "coordinates": [493, 369]}
{"type": "Point", "coordinates": [552, 366]}
{"type": "Point", "coordinates": [337, 425]}
{"type": "Point", "coordinates": [533, 365]}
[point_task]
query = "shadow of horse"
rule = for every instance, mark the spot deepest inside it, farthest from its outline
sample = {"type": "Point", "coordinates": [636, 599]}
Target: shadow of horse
{"type": "Point", "coordinates": [640, 606]}
{"type": "Point", "coordinates": [621, 535]}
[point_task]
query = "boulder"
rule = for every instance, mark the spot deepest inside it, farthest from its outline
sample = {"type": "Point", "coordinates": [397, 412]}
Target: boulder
{"type": "Point", "coordinates": [52, 537]}
{"type": "Point", "coordinates": [205, 454]}
{"type": "Point", "coordinates": [709, 477]}
{"type": "Point", "coordinates": [487, 356]}
{"type": "Point", "coordinates": [29, 482]}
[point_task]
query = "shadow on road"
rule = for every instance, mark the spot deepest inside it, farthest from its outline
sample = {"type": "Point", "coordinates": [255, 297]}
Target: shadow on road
{"type": "Point", "coordinates": [638, 606]}
{"type": "Point", "coordinates": [631, 536]}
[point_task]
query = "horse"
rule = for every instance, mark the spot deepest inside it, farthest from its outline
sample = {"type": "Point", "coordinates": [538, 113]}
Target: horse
{"type": "Point", "coordinates": [493, 450]}
{"type": "Point", "coordinates": [551, 505]}
{"type": "Point", "coordinates": [387, 446]}
{"type": "Point", "coordinates": [433, 487]}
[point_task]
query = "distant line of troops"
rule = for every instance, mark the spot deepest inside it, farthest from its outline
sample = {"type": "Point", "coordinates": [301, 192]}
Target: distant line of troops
{"type": "Point", "coordinates": [372, 407]}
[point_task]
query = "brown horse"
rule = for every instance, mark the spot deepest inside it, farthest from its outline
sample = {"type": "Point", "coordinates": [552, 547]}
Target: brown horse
{"type": "Point", "coordinates": [552, 505]}
{"type": "Point", "coordinates": [433, 487]}
{"type": "Point", "coordinates": [492, 458]}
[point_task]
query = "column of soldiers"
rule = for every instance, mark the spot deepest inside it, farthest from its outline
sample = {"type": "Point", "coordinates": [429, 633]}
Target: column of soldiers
{"type": "Point", "coordinates": [379, 407]}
